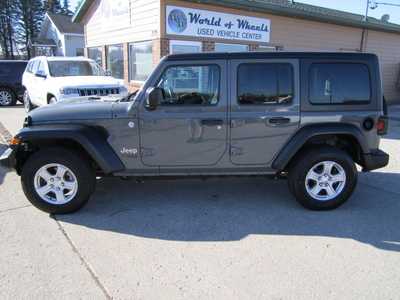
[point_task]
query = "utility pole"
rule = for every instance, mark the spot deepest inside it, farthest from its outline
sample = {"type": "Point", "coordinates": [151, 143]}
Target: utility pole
{"type": "Point", "coordinates": [367, 10]}
{"type": "Point", "coordinates": [364, 30]}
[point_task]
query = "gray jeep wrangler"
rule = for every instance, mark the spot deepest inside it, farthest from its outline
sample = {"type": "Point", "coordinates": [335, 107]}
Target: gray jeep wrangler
{"type": "Point", "coordinates": [310, 117]}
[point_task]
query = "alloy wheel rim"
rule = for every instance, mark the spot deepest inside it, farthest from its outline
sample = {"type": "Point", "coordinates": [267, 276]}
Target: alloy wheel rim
{"type": "Point", "coordinates": [55, 184]}
{"type": "Point", "coordinates": [325, 180]}
{"type": "Point", "coordinates": [5, 98]}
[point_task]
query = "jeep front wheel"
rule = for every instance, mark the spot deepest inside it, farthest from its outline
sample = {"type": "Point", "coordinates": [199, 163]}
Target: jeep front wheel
{"type": "Point", "coordinates": [323, 178]}
{"type": "Point", "coordinates": [57, 180]}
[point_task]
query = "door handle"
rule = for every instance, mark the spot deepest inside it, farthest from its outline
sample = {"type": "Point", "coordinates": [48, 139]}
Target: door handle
{"type": "Point", "coordinates": [212, 122]}
{"type": "Point", "coordinates": [279, 121]}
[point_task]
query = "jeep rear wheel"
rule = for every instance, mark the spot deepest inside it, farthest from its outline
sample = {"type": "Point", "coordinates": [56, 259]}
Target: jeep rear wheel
{"type": "Point", "coordinates": [323, 178]}
{"type": "Point", "coordinates": [57, 180]}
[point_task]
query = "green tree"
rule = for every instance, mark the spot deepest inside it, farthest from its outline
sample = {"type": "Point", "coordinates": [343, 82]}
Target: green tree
{"type": "Point", "coordinates": [30, 14]}
{"type": "Point", "coordinates": [53, 6]}
{"type": "Point", "coordinates": [7, 16]}
{"type": "Point", "coordinates": [65, 8]}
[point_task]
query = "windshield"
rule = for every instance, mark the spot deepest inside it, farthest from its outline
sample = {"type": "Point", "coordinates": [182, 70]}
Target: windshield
{"type": "Point", "coordinates": [74, 68]}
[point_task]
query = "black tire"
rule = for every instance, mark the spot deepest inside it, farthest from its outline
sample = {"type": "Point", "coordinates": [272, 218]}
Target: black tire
{"type": "Point", "coordinates": [9, 97]}
{"type": "Point", "coordinates": [306, 161]}
{"type": "Point", "coordinates": [80, 167]}
{"type": "Point", "coordinates": [27, 102]}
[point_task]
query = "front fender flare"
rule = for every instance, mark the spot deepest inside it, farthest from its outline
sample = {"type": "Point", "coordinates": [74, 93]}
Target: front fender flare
{"type": "Point", "coordinates": [93, 140]}
{"type": "Point", "coordinates": [310, 131]}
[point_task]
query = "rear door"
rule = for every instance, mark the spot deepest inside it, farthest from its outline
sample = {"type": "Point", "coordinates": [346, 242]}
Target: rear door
{"type": "Point", "coordinates": [189, 127]}
{"type": "Point", "coordinates": [265, 110]}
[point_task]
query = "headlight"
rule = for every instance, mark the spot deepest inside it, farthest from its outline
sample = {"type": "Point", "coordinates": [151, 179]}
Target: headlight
{"type": "Point", "coordinates": [69, 91]}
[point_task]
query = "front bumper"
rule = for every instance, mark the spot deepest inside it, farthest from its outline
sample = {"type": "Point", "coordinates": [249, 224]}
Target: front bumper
{"type": "Point", "coordinates": [7, 159]}
{"type": "Point", "coordinates": [375, 160]}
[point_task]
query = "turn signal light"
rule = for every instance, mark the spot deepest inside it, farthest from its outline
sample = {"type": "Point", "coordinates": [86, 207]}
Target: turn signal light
{"type": "Point", "coordinates": [382, 125]}
{"type": "Point", "coordinates": [15, 141]}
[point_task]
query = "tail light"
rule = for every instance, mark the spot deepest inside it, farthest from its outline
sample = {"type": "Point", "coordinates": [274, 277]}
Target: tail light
{"type": "Point", "coordinates": [382, 125]}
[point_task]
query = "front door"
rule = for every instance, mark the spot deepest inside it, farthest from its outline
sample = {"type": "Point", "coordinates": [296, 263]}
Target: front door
{"type": "Point", "coordinates": [189, 127]}
{"type": "Point", "coordinates": [264, 109]}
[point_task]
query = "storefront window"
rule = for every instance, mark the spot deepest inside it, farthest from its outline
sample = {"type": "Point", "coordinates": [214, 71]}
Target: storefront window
{"type": "Point", "coordinates": [140, 60]}
{"type": "Point", "coordinates": [115, 61]}
{"type": "Point", "coordinates": [95, 53]}
{"type": "Point", "coordinates": [220, 47]}
{"type": "Point", "coordinates": [179, 47]}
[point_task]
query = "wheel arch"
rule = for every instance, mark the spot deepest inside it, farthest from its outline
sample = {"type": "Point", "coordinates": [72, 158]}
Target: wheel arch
{"type": "Point", "coordinates": [91, 142]}
{"type": "Point", "coordinates": [344, 136]}
{"type": "Point", "coordinates": [49, 96]}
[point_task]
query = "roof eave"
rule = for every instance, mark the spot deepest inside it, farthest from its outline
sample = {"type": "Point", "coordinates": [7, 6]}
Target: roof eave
{"type": "Point", "coordinates": [273, 9]}
{"type": "Point", "coordinates": [287, 12]}
{"type": "Point", "coordinates": [80, 12]}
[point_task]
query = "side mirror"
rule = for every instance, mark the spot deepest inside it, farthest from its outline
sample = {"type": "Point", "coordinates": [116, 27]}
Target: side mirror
{"type": "Point", "coordinates": [41, 74]}
{"type": "Point", "coordinates": [153, 98]}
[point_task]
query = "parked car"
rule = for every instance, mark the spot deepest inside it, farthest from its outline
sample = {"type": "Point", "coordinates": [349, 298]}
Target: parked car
{"type": "Point", "coordinates": [310, 117]}
{"type": "Point", "coordinates": [53, 79]}
{"type": "Point", "coordinates": [11, 88]}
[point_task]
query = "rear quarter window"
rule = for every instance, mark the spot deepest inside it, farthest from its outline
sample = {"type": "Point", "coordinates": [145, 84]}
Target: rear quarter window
{"type": "Point", "coordinates": [339, 84]}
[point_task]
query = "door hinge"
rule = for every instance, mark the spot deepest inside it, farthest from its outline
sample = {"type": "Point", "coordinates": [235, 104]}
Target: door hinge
{"type": "Point", "coordinates": [236, 151]}
{"type": "Point", "coordinates": [147, 152]}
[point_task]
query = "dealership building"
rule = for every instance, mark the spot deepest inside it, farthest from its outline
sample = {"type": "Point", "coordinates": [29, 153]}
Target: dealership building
{"type": "Point", "coordinates": [129, 37]}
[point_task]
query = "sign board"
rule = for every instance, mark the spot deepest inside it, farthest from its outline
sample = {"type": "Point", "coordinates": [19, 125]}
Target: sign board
{"type": "Point", "coordinates": [204, 23]}
{"type": "Point", "coordinates": [115, 13]}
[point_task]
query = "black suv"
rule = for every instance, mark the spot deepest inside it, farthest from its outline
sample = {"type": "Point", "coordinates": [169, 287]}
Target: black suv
{"type": "Point", "coordinates": [11, 88]}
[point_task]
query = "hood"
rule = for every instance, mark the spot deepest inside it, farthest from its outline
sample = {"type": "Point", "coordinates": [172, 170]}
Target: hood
{"type": "Point", "coordinates": [72, 111]}
{"type": "Point", "coordinates": [87, 81]}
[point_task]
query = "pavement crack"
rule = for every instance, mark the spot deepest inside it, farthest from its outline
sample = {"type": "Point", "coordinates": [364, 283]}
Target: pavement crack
{"type": "Point", "coordinates": [82, 259]}
{"type": "Point", "coordinates": [14, 208]}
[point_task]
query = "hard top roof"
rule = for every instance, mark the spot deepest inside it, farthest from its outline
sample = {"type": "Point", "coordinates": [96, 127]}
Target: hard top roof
{"type": "Point", "coordinates": [270, 55]}
{"type": "Point", "coordinates": [63, 58]}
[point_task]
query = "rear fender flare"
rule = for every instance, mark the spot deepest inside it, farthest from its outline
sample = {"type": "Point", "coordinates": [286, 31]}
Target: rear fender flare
{"type": "Point", "coordinates": [292, 147]}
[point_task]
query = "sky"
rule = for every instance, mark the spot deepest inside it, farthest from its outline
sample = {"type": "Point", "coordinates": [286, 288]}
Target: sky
{"type": "Point", "coordinates": [354, 6]}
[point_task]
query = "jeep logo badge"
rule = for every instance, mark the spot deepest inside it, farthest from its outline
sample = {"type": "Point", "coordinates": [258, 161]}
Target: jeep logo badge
{"type": "Point", "coordinates": [129, 152]}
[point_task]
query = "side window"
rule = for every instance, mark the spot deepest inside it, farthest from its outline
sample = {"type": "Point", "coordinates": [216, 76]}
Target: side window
{"type": "Point", "coordinates": [29, 67]}
{"type": "Point", "coordinates": [34, 67]}
{"type": "Point", "coordinates": [190, 85]}
{"type": "Point", "coordinates": [265, 83]}
{"type": "Point", "coordinates": [339, 83]}
{"type": "Point", "coordinates": [40, 68]}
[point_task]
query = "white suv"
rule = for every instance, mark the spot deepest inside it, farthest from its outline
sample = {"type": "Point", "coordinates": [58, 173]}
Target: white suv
{"type": "Point", "coordinates": [52, 79]}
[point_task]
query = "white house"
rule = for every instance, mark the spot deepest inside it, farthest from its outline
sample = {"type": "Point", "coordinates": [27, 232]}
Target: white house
{"type": "Point", "coordinates": [59, 37]}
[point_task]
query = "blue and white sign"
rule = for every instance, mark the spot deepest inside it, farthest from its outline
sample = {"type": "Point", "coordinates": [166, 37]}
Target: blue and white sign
{"type": "Point", "coordinates": [205, 23]}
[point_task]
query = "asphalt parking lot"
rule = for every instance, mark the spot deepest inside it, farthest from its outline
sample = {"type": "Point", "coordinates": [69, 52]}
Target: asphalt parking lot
{"type": "Point", "coordinates": [192, 239]}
